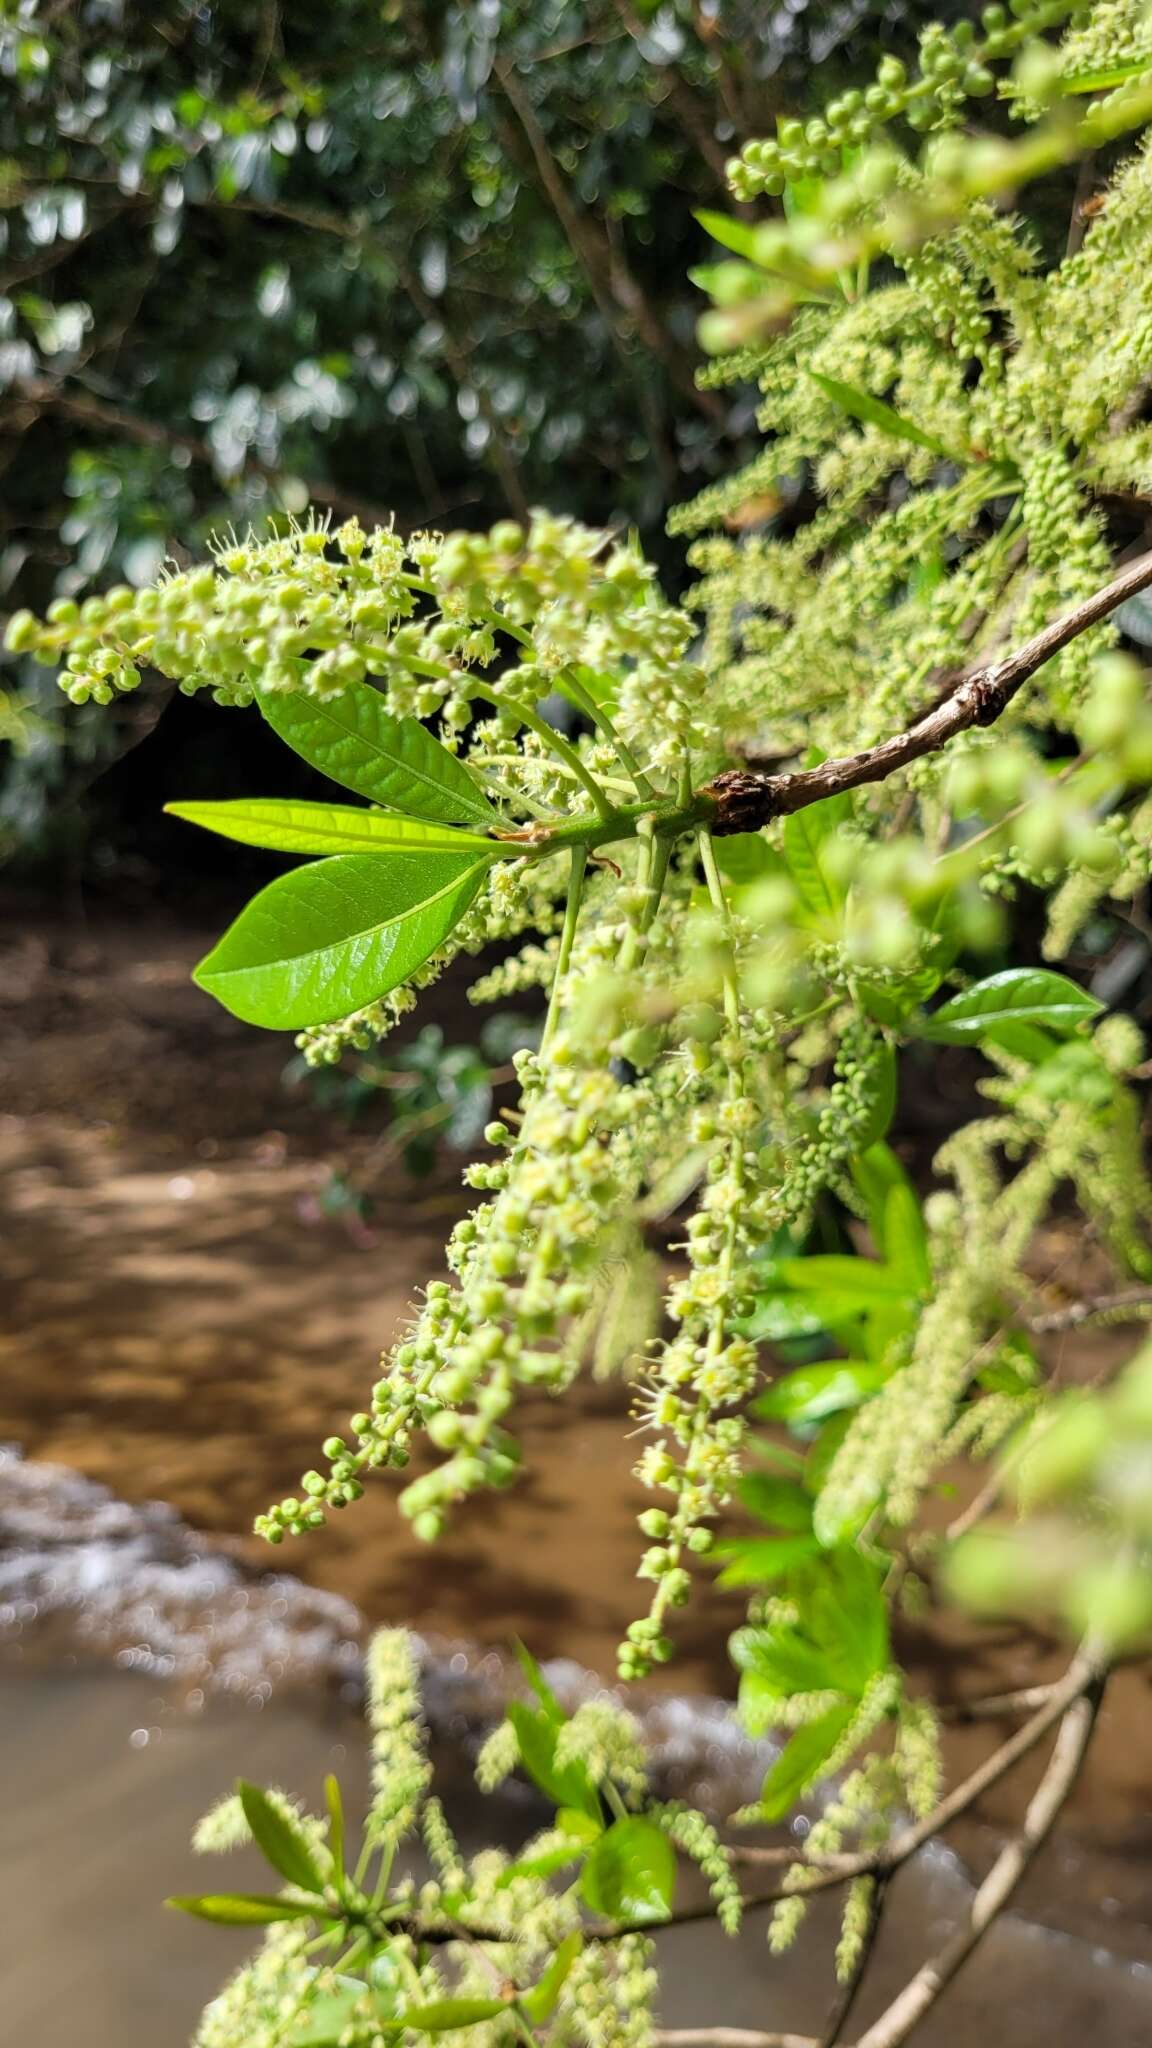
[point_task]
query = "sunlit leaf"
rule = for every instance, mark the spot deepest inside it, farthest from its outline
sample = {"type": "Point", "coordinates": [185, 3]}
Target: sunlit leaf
{"type": "Point", "coordinates": [801, 1761]}
{"type": "Point", "coordinates": [873, 412]}
{"type": "Point", "coordinates": [280, 1838]}
{"type": "Point", "coordinates": [443, 2014]}
{"type": "Point", "coordinates": [761, 1560]}
{"type": "Point", "coordinates": [540, 2003]}
{"type": "Point", "coordinates": [287, 826]}
{"type": "Point", "coordinates": [815, 1391]}
{"type": "Point", "coordinates": [1020, 995]}
{"type": "Point", "coordinates": [804, 835]}
{"type": "Point", "coordinates": [353, 737]}
{"type": "Point", "coordinates": [242, 1909]}
{"type": "Point", "coordinates": [631, 1872]}
{"type": "Point", "coordinates": [565, 1785]}
{"type": "Point", "coordinates": [327, 939]}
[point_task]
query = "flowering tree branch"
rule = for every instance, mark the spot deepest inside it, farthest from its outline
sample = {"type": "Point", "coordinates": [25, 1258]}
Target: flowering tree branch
{"type": "Point", "coordinates": [1073, 1703]}
{"type": "Point", "coordinates": [746, 799]}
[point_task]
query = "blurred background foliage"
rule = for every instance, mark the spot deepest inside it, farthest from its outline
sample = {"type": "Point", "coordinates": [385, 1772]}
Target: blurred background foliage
{"type": "Point", "coordinates": [409, 257]}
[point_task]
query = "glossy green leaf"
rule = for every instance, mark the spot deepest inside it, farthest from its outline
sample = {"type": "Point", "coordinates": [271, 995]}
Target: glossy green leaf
{"type": "Point", "coordinates": [540, 2003]}
{"type": "Point", "coordinates": [747, 857]}
{"type": "Point", "coordinates": [1021, 995]}
{"type": "Point", "coordinates": [281, 1839]}
{"type": "Point", "coordinates": [802, 1760]}
{"type": "Point", "coordinates": [242, 1909]}
{"type": "Point", "coordinates": [873, 412]}
{"type": "Point", "coordinates": [536, 1679]}
{"type": "Point", "coordinates": [631, 1872]}
{"type": "Point", "coordinates": [290, 827]}
{"type": "Point", "coordinates": [352, 737]}
{"type": "Point", "coordinates": [816, 1391]}
{"type": "Point", "coordinates": [779, 1318]}
{"type": "Point", "coordinates": [327, 939]}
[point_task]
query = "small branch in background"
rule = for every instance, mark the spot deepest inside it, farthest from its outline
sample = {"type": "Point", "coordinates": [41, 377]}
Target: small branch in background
{"type": "Point", "coordinates": [1081, 1674]}
{"type": "Point", "coordinates": [1131, 1304]}
{"type": "Point", "coordinates": [728, 2037]}
{"type": "Point", "coordinates": [43, 396]}
{"type": "Point", "coordinates": [993, 1705]}
{"type": "Point", "coordinates": [616, 290]}
{"type": "Point", "coordinates": [498, 451]}
{"type": "Point", "coordinates": [747, 800]}
{"type": "Point", "coordinates": [1068, 1753]}
{"type": "Point", "coordinates": [692, 115]}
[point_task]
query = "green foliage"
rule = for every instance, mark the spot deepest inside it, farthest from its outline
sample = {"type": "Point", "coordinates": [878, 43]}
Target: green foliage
{"type": "Point", "coordinates": [734, 1018]}
{"type": "Point", "coordinates": [357, 1955]}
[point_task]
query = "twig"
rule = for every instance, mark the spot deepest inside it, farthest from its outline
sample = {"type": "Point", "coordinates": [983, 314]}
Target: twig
{"type": "Point", "coordinates": [1138, 1299]}
{"type": "Point", "coordinates": [1080, 1675]}
{"type": "Point", "coordinates": [728, 2037]}
{"type": "Point", "coordinates": [918, 1996]}
{"type": "Point", "coordinates": [993, 1705]}
{"type": "Point", "coordinates": [746, 800]}
{"type": "Point", "coordinates": [46, 396]}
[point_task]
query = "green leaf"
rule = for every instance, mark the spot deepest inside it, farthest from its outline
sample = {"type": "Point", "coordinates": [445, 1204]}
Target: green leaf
{"type": "Point", "coordinates": [861, 405]}
{"type": "Point", "coordinates": [816, 1391]}
{"type": "Point", "coordinates": [1106, 79]}
{"type": "Point", "coordinates": [804, 835]}
{"type": "Point", "coordinates": [760, 1560]}
{"type": "Point", "coordinates": [291, 827]}
{"type": "Point", "coordinates": [565, 1785]}
{"type": "Point", "coordinates": [1021, 995]}
{"type": "Point", "coordinates": [581, 1831]}
{"type": "Point", "coordinates": [864, 1282]}
{"type": "Point", "coordinates": [731, 234]}
{"type": "Point", "coordinates": [801, 1761]}
{"type": "Point", "coordinates": [327, 939]}
{"type": "Point", "coordinates": [876, 1171]}
{"type": "Point", "coordinates": [242, 1909]}
{"type": "Point", "coordinates": [879, 1092]}
{"type": "Point", "coordinates": [631, 1873]}
{"type": "Point", "coordinates": [335, 1803]}
{"type": "Point", "coordinates": [352, 737]}
{"type": "Point", "coordinates": [905, 1240]}
{"type": "Point", "coordinates": [747, 857]}
{"type": "Point", "coordinates": [445, 2013]}
{"type": "Point", "coordinates": [538, 1682]}
{"type": "Point", "coordinates": [281, 1839]}
{"type": "Point", "coordinates": [776, 1500]}
{"type": "Point", "coordinates": [540, 2003]}
{"type": "Point", "coordinates": [778, 1318]}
